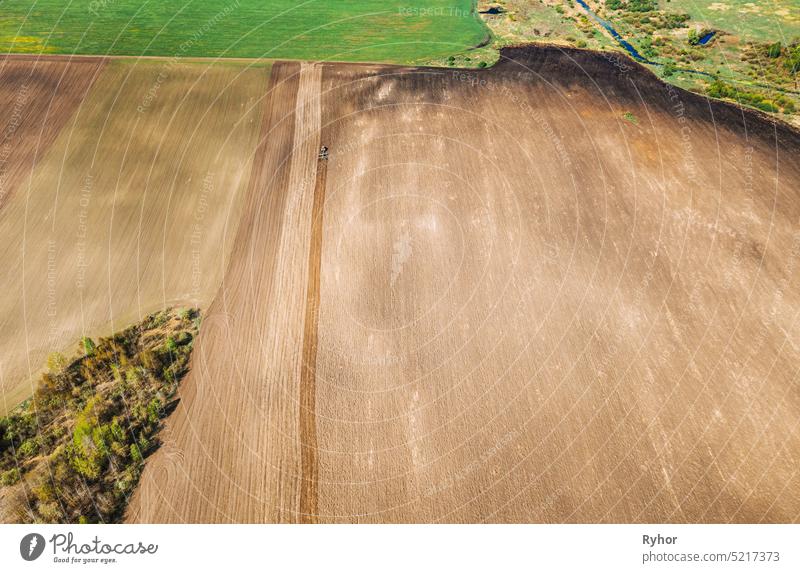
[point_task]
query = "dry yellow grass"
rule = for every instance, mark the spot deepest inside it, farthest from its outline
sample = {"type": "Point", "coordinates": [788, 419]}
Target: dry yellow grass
{"type": "Point", "coordinates": [130, 210]}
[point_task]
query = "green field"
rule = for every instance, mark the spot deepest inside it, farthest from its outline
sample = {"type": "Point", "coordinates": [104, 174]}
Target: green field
{"type": "Point", "coordinates": [758, 20]}
{"type": "Point", "coordinates": [356, 30]}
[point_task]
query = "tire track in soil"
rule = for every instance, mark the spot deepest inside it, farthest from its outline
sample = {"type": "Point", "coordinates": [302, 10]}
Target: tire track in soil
{"type": "Point", "coordinates": [238, 424]}
{"type": "Point", "coordinates": [308, 418]}
{"type": "Point", "coordinates": [579, 367]}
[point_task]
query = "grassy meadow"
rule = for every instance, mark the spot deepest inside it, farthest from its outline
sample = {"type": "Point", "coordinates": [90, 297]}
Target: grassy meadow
{"type": "Point", "coordinates": [773, 21]}
{"type": "Point", "coordinates": [373, 30]}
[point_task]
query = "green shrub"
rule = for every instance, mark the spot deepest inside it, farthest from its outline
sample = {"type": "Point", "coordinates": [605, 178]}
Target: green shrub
{"type": "Point", "coordinates": [671, 20]}
{"type": "Point", "coordinates": [154, 411]}
{"type": "Point", "coordinates": [136, 454]}
{"type": "Point", "coordinates": [170, 345]}
{"type": "Point", "coordinates": [628, 116]}
{"type": "Point", "coordinates": [642, 5]}
{"type": "Point", "coordinates": [792, 61]}
{"type": "Point", "coordinates": [132, 375]}
{"type": "Point", "coordinates": [9, 477]}
{"type": "Point", "coordinates": [88, 346]}
{"type": "Point", "coordinates": [647, 49]}
{"type": "Point", "coordinates": [719, 89]}
{"type": "Point", "coordinates": [28, 448]}
{"type": "Point", "coordinates": [88, 467]}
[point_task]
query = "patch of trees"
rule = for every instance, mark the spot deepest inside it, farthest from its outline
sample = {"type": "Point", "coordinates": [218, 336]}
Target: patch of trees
{"type": "Point", "coordinates": [773, 103]}
{"type": "Point", "coordinates": [673, 20]}
{"type": "Point", "coordinates": [788, 57]}
{"type": "Point", "coordinates": [633, 5]}
{"type": "Point", "coordinates": [642, 5]}
{"type": "Point", "coordinates": [669, 69]}
{"type": "Point", "coordinates": [774, 63]}
{"type": "Point", "coordinates": [774, 54]}
{"type": "Point", "coordinates": [647, 49]}
{"type": "Point", "coordinates": [792, 63]}
{"type": "Point", "coordinates": [74, 452]}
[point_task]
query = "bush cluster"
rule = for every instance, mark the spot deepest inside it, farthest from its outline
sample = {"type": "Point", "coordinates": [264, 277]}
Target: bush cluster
{"type": "Point", "coordinates": [633, 5]}
{"type": "Point", "coordinates": [74, 452]}
{"type": "Point", "coordinates": [773, 103]}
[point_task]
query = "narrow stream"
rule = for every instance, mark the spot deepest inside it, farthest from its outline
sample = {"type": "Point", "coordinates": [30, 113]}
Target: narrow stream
{"type": "Point", "coordinates": [630, 47]}
{"type": "Point", "coordinates": [616, 35]}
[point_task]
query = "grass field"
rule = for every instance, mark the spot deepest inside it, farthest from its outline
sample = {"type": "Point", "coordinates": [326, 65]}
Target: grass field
{"type": "Point", "coordinates": [375, 30]}
{"type": "Point", "coordinates": [773, 21]}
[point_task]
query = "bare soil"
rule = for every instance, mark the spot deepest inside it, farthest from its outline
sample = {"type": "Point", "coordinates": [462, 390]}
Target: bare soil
{"type": "Point", "coordinates": [232, 450]}
{"type": "Point", "coordinates": [38, 97]}
{"type": "Point", "coordinates": [131, 207]}
{"type": "Point", "coordinates": [556, 290]}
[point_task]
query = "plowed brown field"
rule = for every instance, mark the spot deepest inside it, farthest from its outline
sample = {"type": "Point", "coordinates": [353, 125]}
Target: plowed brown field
{"type": "Point", "coordinates": [556, 290]}
{"type": "Point", "coordinates": [129, 207]}
{"type": "Point", "coordinates": [236, 438]}
{"type": "Point", "coordinates": [38, 96]}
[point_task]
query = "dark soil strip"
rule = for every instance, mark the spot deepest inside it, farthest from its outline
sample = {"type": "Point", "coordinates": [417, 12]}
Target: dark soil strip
{"type": "Point", "coordinates": [308, 388]}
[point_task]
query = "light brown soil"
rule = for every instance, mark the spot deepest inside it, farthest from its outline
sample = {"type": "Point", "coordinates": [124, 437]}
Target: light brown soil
{"type": "Point", "coordinates": [530, 307]}
{"type": "Point", "coordinates": [38, 97]}
{"type": "Point", "coordinates": [533, 309]}
{"type": "Point", "coordinates": [131, 209]}
{"type": "Point", "coordinates": [232, 449]}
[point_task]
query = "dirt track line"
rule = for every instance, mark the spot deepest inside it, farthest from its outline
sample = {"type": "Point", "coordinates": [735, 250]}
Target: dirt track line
{"type": "Point", "coordinates": [308, 413]}
{"type": "Point", "coordinates": [298, 240]}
